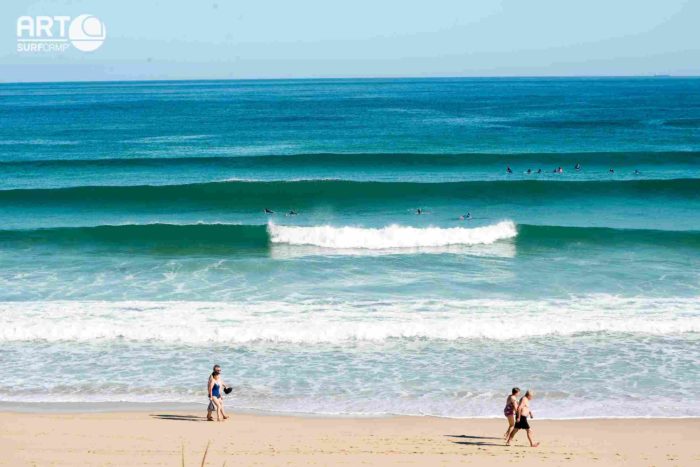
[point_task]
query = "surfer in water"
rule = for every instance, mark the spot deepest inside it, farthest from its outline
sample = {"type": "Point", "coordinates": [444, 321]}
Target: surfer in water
{"type": "Point", "coordinates": [269, 211]}
{"type": "Point", "coordinates": [539, 171]}
{"type": "Point", "coordinates": [612, 171]}
{"type": "Point", "coordinates": [467, 216]}
{"type": "Point", "coordinates": [578, 166]}
{"type": "Point", "coordinates": [529, 171]}
{"type": "Point", "coordinates": [508, 169]}
{"type": "Point", "coordinates": [521, 415]}
{"type": "Point", "coordinates": [637, 172]}
{"type": "Point", "coordinates": [292, 213]}
{"type": "Point", "coordinates": [419, 211]}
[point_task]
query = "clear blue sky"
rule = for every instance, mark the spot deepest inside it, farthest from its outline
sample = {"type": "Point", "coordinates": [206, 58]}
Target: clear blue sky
{"type": "Point", "coordinates": [186, 39]}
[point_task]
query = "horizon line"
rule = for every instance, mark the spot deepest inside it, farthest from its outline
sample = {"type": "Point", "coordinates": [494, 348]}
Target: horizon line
{"type": "Point", "coordinates": [366, 78]}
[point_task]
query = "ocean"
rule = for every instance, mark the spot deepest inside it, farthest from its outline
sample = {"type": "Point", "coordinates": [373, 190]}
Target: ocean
{"type": "Point", "coordinates": [401, 269]}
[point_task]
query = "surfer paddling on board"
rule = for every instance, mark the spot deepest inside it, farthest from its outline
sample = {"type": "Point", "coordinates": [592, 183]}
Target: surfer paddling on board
{"type": "Point", "coordinates": [269, 211]}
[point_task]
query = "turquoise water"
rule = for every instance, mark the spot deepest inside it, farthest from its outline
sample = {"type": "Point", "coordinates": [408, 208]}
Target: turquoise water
{"type": "Point", "coordinates": [134, 241]}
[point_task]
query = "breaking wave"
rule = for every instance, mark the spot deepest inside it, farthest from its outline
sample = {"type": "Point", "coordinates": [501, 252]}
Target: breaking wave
{"type": "Point", "coordinates": [393, 236]}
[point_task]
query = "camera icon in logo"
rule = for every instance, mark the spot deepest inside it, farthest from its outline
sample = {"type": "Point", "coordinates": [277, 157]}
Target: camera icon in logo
{"type": "Point", "coordinates": [87, 33]}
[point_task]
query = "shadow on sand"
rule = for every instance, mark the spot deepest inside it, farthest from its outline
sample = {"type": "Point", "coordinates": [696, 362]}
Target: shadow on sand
{"type": "Point", "coordinates": [475, 440]}
{"type": "Point", "coordinates": [185, 418]}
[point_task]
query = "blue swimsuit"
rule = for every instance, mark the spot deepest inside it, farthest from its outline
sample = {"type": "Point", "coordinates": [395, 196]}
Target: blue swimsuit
{"type": "Point", "coordinates": [215, 390]}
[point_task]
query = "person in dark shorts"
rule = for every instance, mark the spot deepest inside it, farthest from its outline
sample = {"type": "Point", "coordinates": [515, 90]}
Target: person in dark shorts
{"type": "Point", "coordinates": [521, 422]}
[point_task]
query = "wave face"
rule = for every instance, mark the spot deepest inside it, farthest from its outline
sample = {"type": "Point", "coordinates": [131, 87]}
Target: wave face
{"type": "Point", "coordinates": [222, 238]}
{"type": "Point", "coordinates": [631, 204]}
{"type": "Point", "coordinates": [170, 238]}
{"type": "Point", "coordinates": [305, 193]}
{"type": "Point", "coordinates": [543, 235]}
{"type": "Point", "coordinates": [310, 322]}
{"type": "Point", "coordinates": [393, 236]}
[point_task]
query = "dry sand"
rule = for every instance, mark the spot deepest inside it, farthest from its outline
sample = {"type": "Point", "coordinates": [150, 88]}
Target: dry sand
{"type": "Point", "coordinates": [158, 438]}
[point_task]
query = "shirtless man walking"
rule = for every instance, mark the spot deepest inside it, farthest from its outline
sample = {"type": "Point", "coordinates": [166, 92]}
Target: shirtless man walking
{"type": "Point", "coordinates": [521, 423]}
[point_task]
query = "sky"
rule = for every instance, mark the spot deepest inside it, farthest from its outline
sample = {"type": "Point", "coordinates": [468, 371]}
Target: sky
{"type": "Point", "coordinates": [204, 39]}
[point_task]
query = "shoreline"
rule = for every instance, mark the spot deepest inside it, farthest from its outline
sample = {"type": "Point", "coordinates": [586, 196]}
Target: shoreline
{"type": "Point", "coordinates": [85, 408]}
{"type": "Point", "coordinates": [161, 437]}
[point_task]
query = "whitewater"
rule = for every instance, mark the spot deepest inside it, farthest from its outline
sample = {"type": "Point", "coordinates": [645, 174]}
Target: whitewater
{"type": "Point", "coordinates": [393, 236]}
{"type": "Point", "coordinates": [311, 322]}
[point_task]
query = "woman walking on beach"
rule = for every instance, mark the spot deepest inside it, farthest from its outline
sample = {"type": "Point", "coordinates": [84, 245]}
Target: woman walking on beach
{"type": "Point", "coordinates": [215, 386]}
{"type": "Point", "coordinates": [510, 410]}
{"type": "Point", "coordinates": [521, 424]}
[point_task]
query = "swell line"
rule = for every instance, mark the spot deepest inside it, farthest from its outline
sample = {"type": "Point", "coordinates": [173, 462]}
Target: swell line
{"type": "Point", "coordinates": [245, 195]}
{"type": "Point", "coordinates": [380, 159]}
{"type": "Point", "coordinates": [220, 238]}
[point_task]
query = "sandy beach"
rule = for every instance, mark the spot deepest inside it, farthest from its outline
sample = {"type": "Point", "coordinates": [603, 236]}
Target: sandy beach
{"type": "Point", "coordinates": [159, 438]}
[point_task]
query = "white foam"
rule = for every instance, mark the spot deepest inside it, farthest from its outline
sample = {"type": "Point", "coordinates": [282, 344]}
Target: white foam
{"type": "Point", "coordinates": [498, 249]}
{"type": "Point", "coordinates": [393, 236]}
{"type": "Point", "coordinates": [329, 322]}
